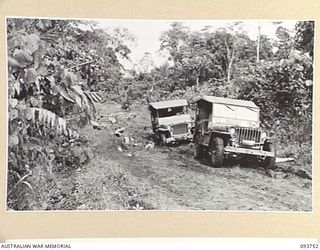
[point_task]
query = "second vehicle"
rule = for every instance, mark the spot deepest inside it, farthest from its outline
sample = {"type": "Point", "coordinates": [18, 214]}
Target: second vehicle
{"type": "Point", "coordinates": [171, 121]}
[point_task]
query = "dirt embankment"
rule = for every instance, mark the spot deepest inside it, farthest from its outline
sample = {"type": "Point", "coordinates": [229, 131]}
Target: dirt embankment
{"type": "Point", "coordinates": [128, 176]}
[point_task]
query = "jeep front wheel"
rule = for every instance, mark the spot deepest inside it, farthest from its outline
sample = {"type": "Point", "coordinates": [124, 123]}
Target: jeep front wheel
{"type": "Point", "coordinates": [217, 152]}
{"type": "Point", "coordinates": [269, 162]}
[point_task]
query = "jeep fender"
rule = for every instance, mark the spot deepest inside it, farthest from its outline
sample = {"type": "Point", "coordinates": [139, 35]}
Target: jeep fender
{"type": "Point", "coordinates": [268, 140]}
{"type": "Point", "coordinates": [222, 134]}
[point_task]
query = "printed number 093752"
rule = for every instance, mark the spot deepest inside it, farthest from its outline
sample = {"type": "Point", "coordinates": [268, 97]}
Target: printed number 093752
{"type": "Point", "coordinates": [309, 246]}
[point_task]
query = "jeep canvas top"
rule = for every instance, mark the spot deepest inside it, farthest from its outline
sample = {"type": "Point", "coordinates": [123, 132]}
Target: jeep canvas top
{"type": "Point", "coordinates": [230, 112]}
{"type": "Point", "coordinates": [168, 104]}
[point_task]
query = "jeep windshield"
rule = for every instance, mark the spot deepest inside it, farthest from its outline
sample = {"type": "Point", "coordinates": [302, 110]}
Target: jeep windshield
{"type": "Point", "coordinates": [171, 111]}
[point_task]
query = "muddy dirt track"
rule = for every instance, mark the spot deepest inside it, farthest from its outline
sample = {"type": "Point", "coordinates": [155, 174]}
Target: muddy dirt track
{"type": "Point", "coordinates": [127, 176]}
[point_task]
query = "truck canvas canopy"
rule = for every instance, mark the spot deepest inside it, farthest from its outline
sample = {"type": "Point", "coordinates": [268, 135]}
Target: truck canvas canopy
{"type": "Point", "coordinates": [227, 101]}
{"type": "Point", "coordinates": [220, 110]}
{"type": "Point", "coordinates": [235, 112]}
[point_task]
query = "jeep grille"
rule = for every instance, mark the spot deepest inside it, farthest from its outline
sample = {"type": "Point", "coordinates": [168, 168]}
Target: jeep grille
{"type": "Point", "coordinates": [180, 129]}
{"type": "Point", "coordinates": [248, 134]}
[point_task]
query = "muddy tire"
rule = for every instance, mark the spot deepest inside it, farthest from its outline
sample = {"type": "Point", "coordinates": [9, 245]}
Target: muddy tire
{"type": "Point", "coordinates": [216, 152]}
{"type": "Point", "coordinates": [269, 162]}
{"type": "Point", "coordinates": [197, 149]}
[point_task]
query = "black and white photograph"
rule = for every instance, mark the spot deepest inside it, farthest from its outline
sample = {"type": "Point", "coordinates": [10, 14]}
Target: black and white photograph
{"type": "Point", "coordinates": [172, 115]}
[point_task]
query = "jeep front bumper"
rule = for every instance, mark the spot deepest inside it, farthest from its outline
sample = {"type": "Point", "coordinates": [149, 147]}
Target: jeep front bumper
{"type": "Point", "coordinates": [183, 137]}
{"type": "Point", "coordinates": [249, 151]}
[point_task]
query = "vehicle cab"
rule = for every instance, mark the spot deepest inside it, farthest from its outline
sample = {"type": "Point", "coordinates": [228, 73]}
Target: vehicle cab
{"type": "Point", "coordinates": [171, 121]}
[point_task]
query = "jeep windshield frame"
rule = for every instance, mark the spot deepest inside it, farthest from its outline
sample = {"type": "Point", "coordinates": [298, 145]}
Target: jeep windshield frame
{"type": "Point", "coordinates": [167, 112]}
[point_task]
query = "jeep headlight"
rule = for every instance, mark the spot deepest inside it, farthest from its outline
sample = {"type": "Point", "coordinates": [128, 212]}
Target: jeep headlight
{"type": "Point", "coordinates": [232, 131]}
{"type": "Point", "coordinates": [254, 124]}
{"type": "Point", "coordinates": [263, 135]}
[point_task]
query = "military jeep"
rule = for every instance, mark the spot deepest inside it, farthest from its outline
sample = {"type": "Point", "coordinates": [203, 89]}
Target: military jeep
{"type": "Point", "coordinates": [171, 122]}
{"type": "Point", "coordinates": [231, 128]}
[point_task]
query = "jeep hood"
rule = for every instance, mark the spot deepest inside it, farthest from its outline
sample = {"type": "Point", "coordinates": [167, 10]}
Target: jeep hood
{"type": "Point", "coordinates": [177, 119]}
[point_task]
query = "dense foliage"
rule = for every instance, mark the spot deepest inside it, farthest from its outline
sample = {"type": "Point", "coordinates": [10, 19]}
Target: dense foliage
{"type": "Point", "coordinates": [52, 88]}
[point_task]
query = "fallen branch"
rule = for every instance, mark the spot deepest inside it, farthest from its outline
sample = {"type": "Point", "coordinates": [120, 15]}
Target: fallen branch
{"type": "Point", "coordinates": [78, 65]}
{"type": "Point", "coordinates": [281, 160]}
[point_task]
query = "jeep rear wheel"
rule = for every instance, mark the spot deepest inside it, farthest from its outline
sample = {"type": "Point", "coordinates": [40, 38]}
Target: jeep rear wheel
{"type": "Point", "coordinates": [269, 162]}
{"type": "Point", "coordinates": [217, 152]}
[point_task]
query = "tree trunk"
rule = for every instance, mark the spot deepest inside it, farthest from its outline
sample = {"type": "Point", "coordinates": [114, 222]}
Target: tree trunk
{"type": "Point", "coordinates": [198, 78]}
{"type": "Point", "coordinates": [258, 46]}
{"type": "Point", "coordinates": [230, 67]}
{"type": "Point", "coordinates": [230, 58]}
